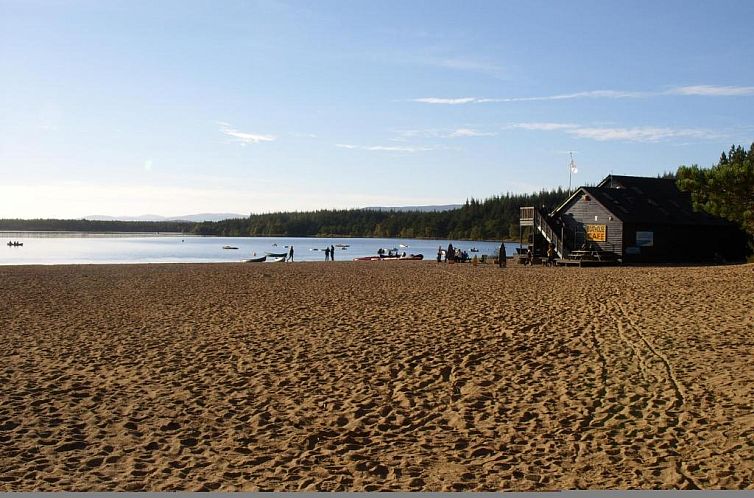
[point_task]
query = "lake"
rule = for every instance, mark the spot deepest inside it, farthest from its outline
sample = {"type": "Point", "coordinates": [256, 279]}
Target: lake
{"type": "Point", "coordinates": [46, 248]}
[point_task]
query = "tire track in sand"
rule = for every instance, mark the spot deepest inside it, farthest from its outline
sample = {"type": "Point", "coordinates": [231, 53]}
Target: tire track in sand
{"type": "Point", "coordinates": [655, 367]}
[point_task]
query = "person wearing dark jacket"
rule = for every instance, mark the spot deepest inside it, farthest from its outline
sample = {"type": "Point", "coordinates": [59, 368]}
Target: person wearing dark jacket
{"type": "Point", "coordinates": [501, 257]}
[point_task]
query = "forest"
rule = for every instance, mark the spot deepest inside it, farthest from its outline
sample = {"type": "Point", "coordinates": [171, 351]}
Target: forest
{"type": "Point", "coordinates": [726, 189]}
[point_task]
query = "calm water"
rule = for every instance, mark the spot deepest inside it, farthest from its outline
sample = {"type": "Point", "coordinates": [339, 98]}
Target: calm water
{"type": "Point", "coordinates": [42, 248]}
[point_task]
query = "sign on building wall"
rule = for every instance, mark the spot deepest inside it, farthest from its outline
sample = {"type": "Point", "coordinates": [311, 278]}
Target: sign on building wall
{"type": "Point", "coordinates": [597, 233]}
{"type": "Point", "coordinates": [645, 239]}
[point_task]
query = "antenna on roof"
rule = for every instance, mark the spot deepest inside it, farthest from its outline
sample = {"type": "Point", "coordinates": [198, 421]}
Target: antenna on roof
{"type": "Point", "coordinates": [572, 170]}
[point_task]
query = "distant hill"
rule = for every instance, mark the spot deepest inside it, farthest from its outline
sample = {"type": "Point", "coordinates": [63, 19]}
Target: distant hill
{"type": "Point", "coordinates": [193, 218]}
{"type": "Point", "coordinates": [422, 209]}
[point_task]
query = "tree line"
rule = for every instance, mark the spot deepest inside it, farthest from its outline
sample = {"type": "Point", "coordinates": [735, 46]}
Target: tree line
{"type": "Point", "coordinates": [99, 226]}
{"type": "Point", "coordinates": [494, 218]}
{"type": "Point", "coordinates": [726, 189]}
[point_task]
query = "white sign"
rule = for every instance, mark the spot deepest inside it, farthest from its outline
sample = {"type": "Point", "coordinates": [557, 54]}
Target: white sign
{"type": "Point", "coordinates": [645, 239]}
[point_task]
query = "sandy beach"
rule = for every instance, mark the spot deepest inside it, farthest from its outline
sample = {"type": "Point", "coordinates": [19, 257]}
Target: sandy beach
{"type": "Point", "coordinates": [375, 376]}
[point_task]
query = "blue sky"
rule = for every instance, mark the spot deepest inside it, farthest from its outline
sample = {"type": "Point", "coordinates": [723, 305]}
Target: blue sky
{"type": "Point", "coordinates": [130, 107]}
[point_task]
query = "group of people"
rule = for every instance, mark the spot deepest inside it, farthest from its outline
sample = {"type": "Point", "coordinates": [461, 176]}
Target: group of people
{"type": "Point", "coordinates": [550, 261]}
{"type": "Point", "coordinates": [330, 253]}
{"type": "Point", "coordinates": [452, 255]}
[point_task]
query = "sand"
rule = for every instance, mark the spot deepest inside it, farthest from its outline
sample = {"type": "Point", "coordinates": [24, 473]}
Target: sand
{"type": "Point", "coordinates": [375, 376]}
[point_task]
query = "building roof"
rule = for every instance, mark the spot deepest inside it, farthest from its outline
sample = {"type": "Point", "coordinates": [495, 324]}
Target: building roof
{"type": "Point", "coordinates": [635, 199]}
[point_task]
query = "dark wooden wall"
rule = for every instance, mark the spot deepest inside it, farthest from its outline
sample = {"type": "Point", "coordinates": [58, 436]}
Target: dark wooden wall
{"type": "Point", "coordinates": [582, 212]}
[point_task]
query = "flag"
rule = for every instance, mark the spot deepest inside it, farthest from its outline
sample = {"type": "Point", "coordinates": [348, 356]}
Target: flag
{"type": "Point", "coordinates": [574, 169]}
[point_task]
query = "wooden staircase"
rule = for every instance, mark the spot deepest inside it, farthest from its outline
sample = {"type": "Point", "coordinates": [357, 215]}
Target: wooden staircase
{"type": "Point", "coordinates": [537, 218]}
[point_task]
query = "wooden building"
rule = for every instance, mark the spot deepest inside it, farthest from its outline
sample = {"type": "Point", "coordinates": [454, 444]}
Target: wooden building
{"type": "Point", "coordinates": [640, 220]}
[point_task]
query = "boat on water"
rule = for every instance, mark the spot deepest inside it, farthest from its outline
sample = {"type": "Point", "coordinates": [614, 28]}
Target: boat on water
{"type": "Point", "coordinates": [343, 245]}
{"type": "Point", "coordinates": [407, 257]}
{"type": "Point", "coordinates": [473, 249]}
{"type": "Point", "coordinates": [277, 254]}
{"type": "Point", "coordinates": [260, 259]}
{"type": "Point", "coordinates": [15, 244]}
{"type": "Point", "coordinates": [230, 247]}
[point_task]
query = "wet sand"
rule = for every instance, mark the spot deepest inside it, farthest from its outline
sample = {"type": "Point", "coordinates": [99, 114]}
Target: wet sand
{"type": "Point", "coordinates": [375, 376]}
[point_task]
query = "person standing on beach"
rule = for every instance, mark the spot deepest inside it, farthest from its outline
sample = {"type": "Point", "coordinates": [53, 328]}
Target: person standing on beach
{"type": "Point", "coordinates": [450, 254]}
{"type": "Point", "coordinates": [501, 261]}
{"type": "Point", "coordinates": [290, 254]}
{"type": "Point", "coordinates": [332, 253]}
{"type": "Point", "coordinates": [439, 254]}
{"type": "Point", "coordinates": [327, 254]}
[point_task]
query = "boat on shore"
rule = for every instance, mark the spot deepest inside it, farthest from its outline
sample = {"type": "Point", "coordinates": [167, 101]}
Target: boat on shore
{"type": "Point", "coordinates": [406, 257]}
{"type": "Point", "coordinates": [280, 259]}
{"type": "Point", "coordinates": [277, 254]}
{"type": "Point", "coordinates": [260, 259]}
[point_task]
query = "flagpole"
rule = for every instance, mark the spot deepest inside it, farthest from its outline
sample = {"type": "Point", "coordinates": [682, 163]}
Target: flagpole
{"type": "Point", "coordinates": [570, 173]}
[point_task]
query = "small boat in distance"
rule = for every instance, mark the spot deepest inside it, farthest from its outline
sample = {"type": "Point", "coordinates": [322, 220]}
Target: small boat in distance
{"type": "Point", "coordinates": [343, 245]}
{"type": "Point", "coordinates": [15, 244]}
{"type": "Point", "coordinates": [229, 247]}
{"type": "Point", "coordinates": [260, 259]}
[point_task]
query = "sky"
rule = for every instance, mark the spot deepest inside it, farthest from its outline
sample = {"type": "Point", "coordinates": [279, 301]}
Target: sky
{"type": "Point", "coordinates": [179, 107]}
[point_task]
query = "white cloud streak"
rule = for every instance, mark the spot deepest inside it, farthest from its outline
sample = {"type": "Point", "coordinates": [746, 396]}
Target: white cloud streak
{"type": "Point", "coordinates": [544, 126]}
{"type": "Point", "coordinates": [647, 134]}
{"type": "Point", "coordinates": [714, 91]}
{"type": "Point", "coordinates": [640, 134]}
{"type": "Point", "coordinates": [469, 132]}
{"type": "Point", "coordinates": [442, 133]}
{"type": "Point", "coordinates": [386, 148]}
{"type": "Point", "coordinates": [243, 137]}
{"type": "Point", "coordinates": [698, 90]}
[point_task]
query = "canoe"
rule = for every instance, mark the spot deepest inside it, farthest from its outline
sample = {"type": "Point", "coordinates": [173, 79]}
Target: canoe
{"type": "Point", "coordinates": [277, 254]}
{"type": "Point", "coordinates": [229, 247]}
{"type": "Point", "coordinates": [277, 260]}
{"type": "Point", "coordinates": [260, 259]}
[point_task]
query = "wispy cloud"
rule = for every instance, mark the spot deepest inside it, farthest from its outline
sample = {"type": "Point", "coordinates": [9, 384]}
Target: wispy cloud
{"type": "Point", "coordinates": [469, 132]}
{"type": "Point", "coordinates": [386, 148]}
{"type": "Point", "coordinates": [705, 90]}
{"type": "Point", "coordinates": [544, 126]}
{"type": "Point", "coordinates": [715, 91]}
{"type": "Point", "coordinates": [454, 101]}
{"type": "Point", "coordinates": [442, 133]}
{"type": "Point", "coordinates": [641, 134]}
{"type": "Point", "coordinates": [608, 94]}
{"type": "Point", "coordinates": [243, 137]}
{"type": "Point", "coordinates": [647, 134]}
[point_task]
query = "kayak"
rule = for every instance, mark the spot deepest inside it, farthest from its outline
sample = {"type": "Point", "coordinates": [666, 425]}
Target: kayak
{"type": "Point", "coordinates": [277, 254]}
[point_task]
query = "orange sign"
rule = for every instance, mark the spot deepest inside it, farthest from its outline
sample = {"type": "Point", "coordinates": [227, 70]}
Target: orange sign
{"type": "Point", "coordinates": [597, 233]}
